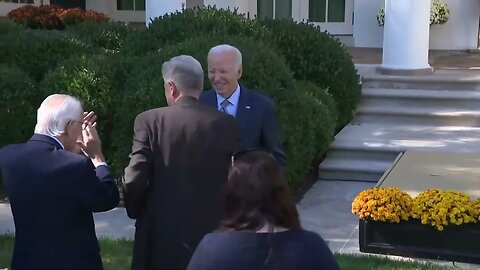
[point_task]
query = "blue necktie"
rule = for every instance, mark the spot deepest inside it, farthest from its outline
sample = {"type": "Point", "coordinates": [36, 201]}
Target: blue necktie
{"type": "Point", "coordinates": [223, 105]}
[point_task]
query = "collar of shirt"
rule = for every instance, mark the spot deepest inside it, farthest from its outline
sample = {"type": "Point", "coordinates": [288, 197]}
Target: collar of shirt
{"type": "Point", "coordinates": [233, 99]}
{"type": "Point", "coordinates": [59, 142]}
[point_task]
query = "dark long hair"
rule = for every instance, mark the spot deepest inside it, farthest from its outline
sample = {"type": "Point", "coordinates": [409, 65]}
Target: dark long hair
{"type": "Point", "coordinates": [256, 194]}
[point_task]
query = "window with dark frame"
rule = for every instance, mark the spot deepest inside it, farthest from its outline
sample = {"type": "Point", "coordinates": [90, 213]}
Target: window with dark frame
{"type": "Point", "coordinates": [137, 5]}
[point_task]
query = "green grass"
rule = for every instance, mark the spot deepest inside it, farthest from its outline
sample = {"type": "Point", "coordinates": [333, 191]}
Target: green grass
{"type": "Point", "coordinates": [370, 262]}
{"type": "Point", "coordinates": [117, 254]}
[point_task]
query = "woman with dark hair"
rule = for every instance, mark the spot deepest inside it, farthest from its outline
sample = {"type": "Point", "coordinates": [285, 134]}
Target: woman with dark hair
{"type": "Point", "coordinates": [260, 228]}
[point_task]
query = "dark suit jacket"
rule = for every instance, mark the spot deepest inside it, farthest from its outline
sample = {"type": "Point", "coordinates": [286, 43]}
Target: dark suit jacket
{"type": "Point", "coordinates": [173, 184]}
{"type": "Point", "coordinates": [52, 194]}
{"type": "Point", "coordinates": [256, 120]}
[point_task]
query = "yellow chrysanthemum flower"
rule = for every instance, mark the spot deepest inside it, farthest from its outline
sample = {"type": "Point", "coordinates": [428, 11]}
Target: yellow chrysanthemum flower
{"type": "Point", "coordinates": [383, 204]}
{"type": "Point", "coordinates": [442, 208]}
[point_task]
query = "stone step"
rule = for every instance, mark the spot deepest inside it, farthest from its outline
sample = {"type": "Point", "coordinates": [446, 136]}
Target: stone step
{"type": "Point", "coordinates": [428, 115]}
{"type": "Point", "coordinates": [412, 106]}
{"type": "Point", "coordinates": [353, 169]}
{"type": "Point", "coordinates": [441, 79]}
{"type": "Point", "coordinates": [364, 152]}
{"type": "Point", "coordinates": [338, 152]}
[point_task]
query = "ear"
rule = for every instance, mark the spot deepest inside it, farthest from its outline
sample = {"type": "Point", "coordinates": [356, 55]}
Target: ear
{"type": "Point", "coordinates": [173, 90]}
{"type": "Point", "coordinates": [240, 72]}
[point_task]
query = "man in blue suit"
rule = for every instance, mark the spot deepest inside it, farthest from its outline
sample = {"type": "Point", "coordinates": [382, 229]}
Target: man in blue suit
{"type": "Point", "coordinates": [254, 112]}
{"type": "Point", "coordinates": [53, 190]}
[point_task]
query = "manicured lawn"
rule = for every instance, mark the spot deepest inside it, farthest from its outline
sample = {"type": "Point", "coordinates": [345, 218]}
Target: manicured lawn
{"type": "Point", "coordinates": [117, 254]}
{"type": "Point", "coordinates": [366, 262]}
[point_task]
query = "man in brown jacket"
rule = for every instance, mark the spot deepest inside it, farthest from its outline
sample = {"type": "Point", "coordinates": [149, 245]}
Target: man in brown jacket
{"type": "Point", "coordinates": [178, 166]}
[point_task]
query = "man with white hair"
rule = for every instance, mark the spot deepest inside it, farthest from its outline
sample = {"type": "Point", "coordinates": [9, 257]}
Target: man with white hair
{"type": "Point", "coordinates": [53, 190]}
{"type": "Point", "coordinates": [178, 166]}
{"type": "Point", "coordinates": [255, 113]}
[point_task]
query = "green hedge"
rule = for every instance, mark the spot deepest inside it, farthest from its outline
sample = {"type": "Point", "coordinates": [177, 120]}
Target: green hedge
{"type": "Point", "coordinates": [38, 51]}
{"type": "Point", "coordinates": [317, 57]}
{"type": "Point", "coordinates": [18, 104]}
{"type": "Point", "coordinates": [110, 36]}
{"type": "Point", "coordinates": [116, 71]}
{"type": "Point", "coordinates": [312, 55]}
{"type": "Point", "coordinates": [305, 126]}
{"type": "Point", "coordinates": [117, 89]}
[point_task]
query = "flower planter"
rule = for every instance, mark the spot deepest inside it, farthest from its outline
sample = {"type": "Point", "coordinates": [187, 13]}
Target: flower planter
{"type": "Point", "coordinates": [412, 239]}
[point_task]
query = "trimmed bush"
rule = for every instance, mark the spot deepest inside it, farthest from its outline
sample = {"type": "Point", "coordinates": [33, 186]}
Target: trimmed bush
{"type": "Point", "coordinates": [38, 51]}
{"type": "Point", "coordinates": [141, 90]}
{"type": "Point", "coordinates": [18, 104]}
{"type": "Point", "coordinates": [189, 23]}
{"type": "Point", "coordinates": [266, 72]}
{"type": "Point", "coordinates": [324, 111]}
{"type": "Point", "coordinates": [311, 54]}
{"type": "Point", "coordinates": [317, 57]}
{"type": "Point", "coordinates": [110, 36]}
{"type": "Point", "coordinates": [8, 27]}
{"type": "Point", "coordinates": [320, 96]}
{"type": "Point", "coordinates": [117, 89]}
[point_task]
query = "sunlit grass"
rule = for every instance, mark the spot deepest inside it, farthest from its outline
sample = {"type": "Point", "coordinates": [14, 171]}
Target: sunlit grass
{"type": "Point", "coordinates": [117, 255]}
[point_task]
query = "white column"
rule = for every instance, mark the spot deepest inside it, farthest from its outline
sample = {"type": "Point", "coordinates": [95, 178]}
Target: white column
{"type": "Point", "coordinates": [157, 8]}
{"type": "Point", "coordinates": [406, 35]}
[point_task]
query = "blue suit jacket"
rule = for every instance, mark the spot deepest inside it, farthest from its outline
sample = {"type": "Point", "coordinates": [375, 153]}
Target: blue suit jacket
{"type": "Point", "coordinates": [256, 120]}
{"type": "Point", "coordinates": [52, 194]}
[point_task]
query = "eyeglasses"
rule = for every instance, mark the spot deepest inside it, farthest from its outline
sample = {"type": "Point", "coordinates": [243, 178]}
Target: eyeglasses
{"type": "Point", "coordinates": [79, 122]}
{"type": "Point", "coordinates": [238, 154]}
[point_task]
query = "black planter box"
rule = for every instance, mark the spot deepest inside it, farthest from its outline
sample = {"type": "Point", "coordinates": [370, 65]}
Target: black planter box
{"type": "Point", "coordinates": [412, 239]}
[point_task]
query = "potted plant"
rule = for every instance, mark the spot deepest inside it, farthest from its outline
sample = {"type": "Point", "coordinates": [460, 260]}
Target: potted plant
{"type": "Point", "coordinates": [439, 13]}
{"type": "Point", "coordinates": [436, 224]}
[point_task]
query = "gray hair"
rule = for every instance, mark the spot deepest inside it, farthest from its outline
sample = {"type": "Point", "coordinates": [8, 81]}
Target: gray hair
{"type": "Point", "coordinates": [185, 71]}
{"type": "Point", "coordinates": [55, 112]}
{"type": "Point", "coordinates": [222, 48]}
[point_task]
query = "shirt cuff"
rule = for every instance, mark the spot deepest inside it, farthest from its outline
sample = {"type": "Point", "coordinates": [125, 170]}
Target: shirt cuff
{"type": "Point", "coordinates": [101, 164]}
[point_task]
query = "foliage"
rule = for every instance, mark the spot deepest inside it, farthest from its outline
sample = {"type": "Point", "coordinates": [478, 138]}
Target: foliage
{"type": "Point", "coordinates": [383, 204]}
{"type": "Point", "coordinates": [189, 23]}
{"type": "Point", "coordinates": [311, 54]}
{"type": "Point", "coordinates": [266, 72]}
{"type": "Point", "coordinates": [18, 102]}
{"type": "Point", "coordinates": [117, 89]}
{"type": "Point", "coordinates": [110, 36]}
{"type": "Point", "coordinates": [116, 71]}
{"type": "Point", "coordinates": [139, 81]}
{"type": "Point", "coordinates": [9, 26]}
{"type": "Point", "coordinates": [317, 57]}
{"type": "Point", "coordinates": [439, 13]}
{"type": "Point", "coordinates": [52, 17]}
{"type": "Point", "coordinates": [38, 51]}
{"type": "Point", "coordinates": [442, 208]}
{"type": "Point", "coordinates": [91, 79]}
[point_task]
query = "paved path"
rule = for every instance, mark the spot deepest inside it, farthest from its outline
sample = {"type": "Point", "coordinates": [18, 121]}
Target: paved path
{"type": "Point", "coordinates": [325, 209]}
{"type": "Point", "coordinates": [114, 223]}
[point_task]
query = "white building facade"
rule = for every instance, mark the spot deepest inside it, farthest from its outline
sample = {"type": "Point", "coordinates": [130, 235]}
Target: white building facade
{"type": "Point", "coordinates": [352, 21]}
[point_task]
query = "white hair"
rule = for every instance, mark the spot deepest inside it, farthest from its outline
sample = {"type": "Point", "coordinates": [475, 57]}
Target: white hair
{"type": "Point", "coordinates": [222, 48]}
{"type": "Point", "coordinates": [55, 112]}
{"type": "Point", "coordinates": [185, 71]}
